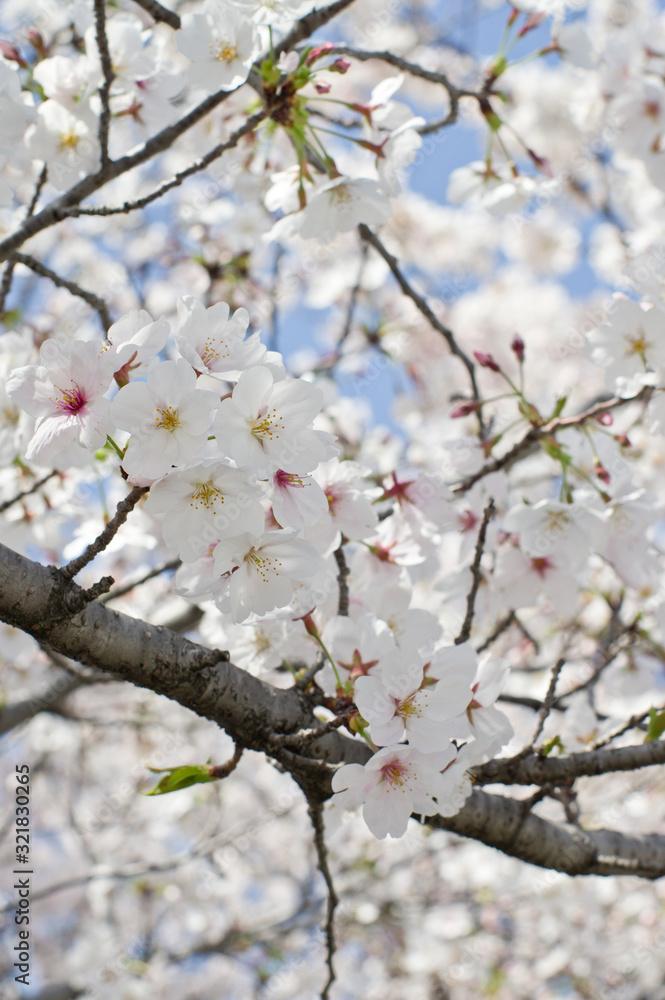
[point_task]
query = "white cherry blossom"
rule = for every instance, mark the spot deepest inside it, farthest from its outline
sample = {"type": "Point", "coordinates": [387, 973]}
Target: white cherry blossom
{"type": "Point", "coordinates": [202, 502]}
{"type": "Point", "coordinates": [264, 570]}
{"type": "Point", "coordinates": [66, 395]}
{"type": "Point", "coordinates": [394, 783]}
{"type": "Point", "coordinates": [221, 44]}
{"type": "Point", "coordinates": [213, 341]}
{"type": "Point", "coordinates": [168, 418]}
{"type": "Point", "coordinates": [266, 425]}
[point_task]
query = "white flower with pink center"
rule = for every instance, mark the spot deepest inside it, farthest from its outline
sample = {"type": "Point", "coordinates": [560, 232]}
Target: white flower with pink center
{"type": "Point", "coordinates": [266, 425]}
{"type": "Point", "coordinates": [221, 45]}
{"type": "Point", "coordinates": [394, 783]}
{"type": "Point", "coordinates": [297, 500]}
{"type": "Point", "coordinates": [213, 341]}
{"type": "Point", "coordinates": [264, 570]}
{"type": "Point", "coordinates": [206, 501]}
{"type": "Point", "coordinates": [168, 418]}
{"type": "Point", "coordinates": [405, 700]}
{"type": "Point", "coordinates": [66, 395]}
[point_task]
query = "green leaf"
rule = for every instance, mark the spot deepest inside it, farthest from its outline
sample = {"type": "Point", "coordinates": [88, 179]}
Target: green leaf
{"type": "Point", "coordinates": [555, 451]}
{"type": "Point", "coordinates": [176, 778]}
{"type": "Point", "coordinates": [529, 411]}
{"type": "Point", "coordinates": [560, 403]}
{"type": "Point", "coordinates": [549, 745]}
{"type": "Point", "coordinates": [656, 726]}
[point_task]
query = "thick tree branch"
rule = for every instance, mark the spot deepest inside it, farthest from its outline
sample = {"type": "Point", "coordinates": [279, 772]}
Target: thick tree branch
{"type": "Point", "coordinates": [537, 770]}
{"type": "Point", "coordinates": [159, 13]}
{"type": "Point", "coordinates": [35, 599]}
{"type": "Point", "coordinates": [505, 824]}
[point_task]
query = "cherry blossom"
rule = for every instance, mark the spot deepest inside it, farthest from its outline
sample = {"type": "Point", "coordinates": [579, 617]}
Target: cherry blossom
{"type": "Point", "coordinates": [221, 45]}
{"type": "Point", "coordinates": [168, 418]}
{"type": "Point", "coordinates": [206, 501]}
{"type": "Point", "coordinates": [66, 395]}
{"type": "Point", "coordinates": [263, 570]}
{"type": "Point", "coordinates": [266, 424]}
{"type": "Point", "coordinates": [212, 341]}
{"type": "Point", "coordinates": [394, 783]}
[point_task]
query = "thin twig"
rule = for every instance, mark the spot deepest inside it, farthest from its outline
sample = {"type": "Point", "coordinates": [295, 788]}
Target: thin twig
{"type": "Point", "coordinates": [342, 582]}
{"type": "Point", "coordinates": [297, 740]}
{"type": "Point", "coordinates": [315, 809]}
{"type": "Point", "coordinates": [93, 300]}
{"type": "Point", "coordinates": [550, 699]}
{"type": "Point", "coordinates": [177, 179]}
{"type": "Point", "coordinates": [26, 493]}
{"type": "Point", "coordinates": [422, 306]}
{"type": "Point", "coordinates": [502, 626]}
{"type": "Point", "coordinates": [121, 514]}
{"type": "Point", "coordinates": [109, 76]}
{"type": "Point", "coordinates": [533, 436]}
{"type": "Point", "coordinates": [8, 272]}
{"type": "Point", "coordinates": [476, 574]}
{"type": "Point", "coordinates": [224, 770]}
{"type": "Point", "coordinates": [126, 587]}
{"type": "Point", "coordinates": [353, 299]}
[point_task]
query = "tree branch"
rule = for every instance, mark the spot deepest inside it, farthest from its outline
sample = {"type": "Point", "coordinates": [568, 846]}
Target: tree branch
{"type": "Point", "coordinates": [422, 306]}
{"type": "Point", "coordinates": [503, 823]}
{"type": "Point", "coordinates": [538, 770]}
{"type": "Point", "coordinates": [465, 631]}
{"type": "Point", "coordinates": [122, 512]}
{"type": "Point", "coordinates": [93, 300]}
{"type": "Point", "coordinates": [35, 599]}
{"type": "Point", "coordinates": [159, 13]}
{"type": "Point", "coordinates": [109, 76]}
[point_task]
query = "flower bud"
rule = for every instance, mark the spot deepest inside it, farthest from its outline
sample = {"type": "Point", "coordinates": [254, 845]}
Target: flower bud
{"type": "Point", "coordinates": [517, 346]}
{"type": "Point", "coordinates": [340, 65]}
{"type": "Point", "coordinates": [486, 360]}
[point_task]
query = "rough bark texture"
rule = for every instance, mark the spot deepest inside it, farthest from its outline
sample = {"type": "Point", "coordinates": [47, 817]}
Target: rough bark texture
{"type": "Point", "coordinates": [42, 602]}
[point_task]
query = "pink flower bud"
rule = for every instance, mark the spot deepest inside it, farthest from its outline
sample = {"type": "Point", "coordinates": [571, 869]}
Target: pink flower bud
{"type": "Point", "coordinates": [601, 471]}
{"type": "Point", "coordinates": [37, 41]}
{"type": "Point", "coordinates": [465, 409]}
{"type": "Point", "coordinates": [340, 65]}
{"type": "Point", "coordinates": [486, 360]}
{"type": "Point", "coordinates": [605, 418]}
{"type": "Point", "coordinates": [322, 88]}
{"type": "Point", "coordinates": [318, 51]}
{"type": "Point", "coordinates": [10, 51]}
{"type": "Point", "coordinates": [517, 346]}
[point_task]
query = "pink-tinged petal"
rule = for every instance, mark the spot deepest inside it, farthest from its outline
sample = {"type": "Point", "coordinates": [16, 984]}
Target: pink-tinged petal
{"type": "Point", "coordinates": [387, 813]}
{"type": "Point", "coordinates": [51, 436]}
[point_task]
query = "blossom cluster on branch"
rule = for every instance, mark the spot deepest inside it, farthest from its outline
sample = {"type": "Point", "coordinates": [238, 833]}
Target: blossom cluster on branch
{"type": "Point", "coordinates": [224, 190]}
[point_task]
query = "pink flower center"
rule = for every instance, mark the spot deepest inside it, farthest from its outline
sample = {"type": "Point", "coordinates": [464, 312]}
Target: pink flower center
{"type": "Point", "coordinates": [285, 479]}
{"type": "Point", "coordinates": [395, 772]}
{"type": "Point", "coordinates": [541, 565]}
{"type": "Point", "coordinates": [71, 400]}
